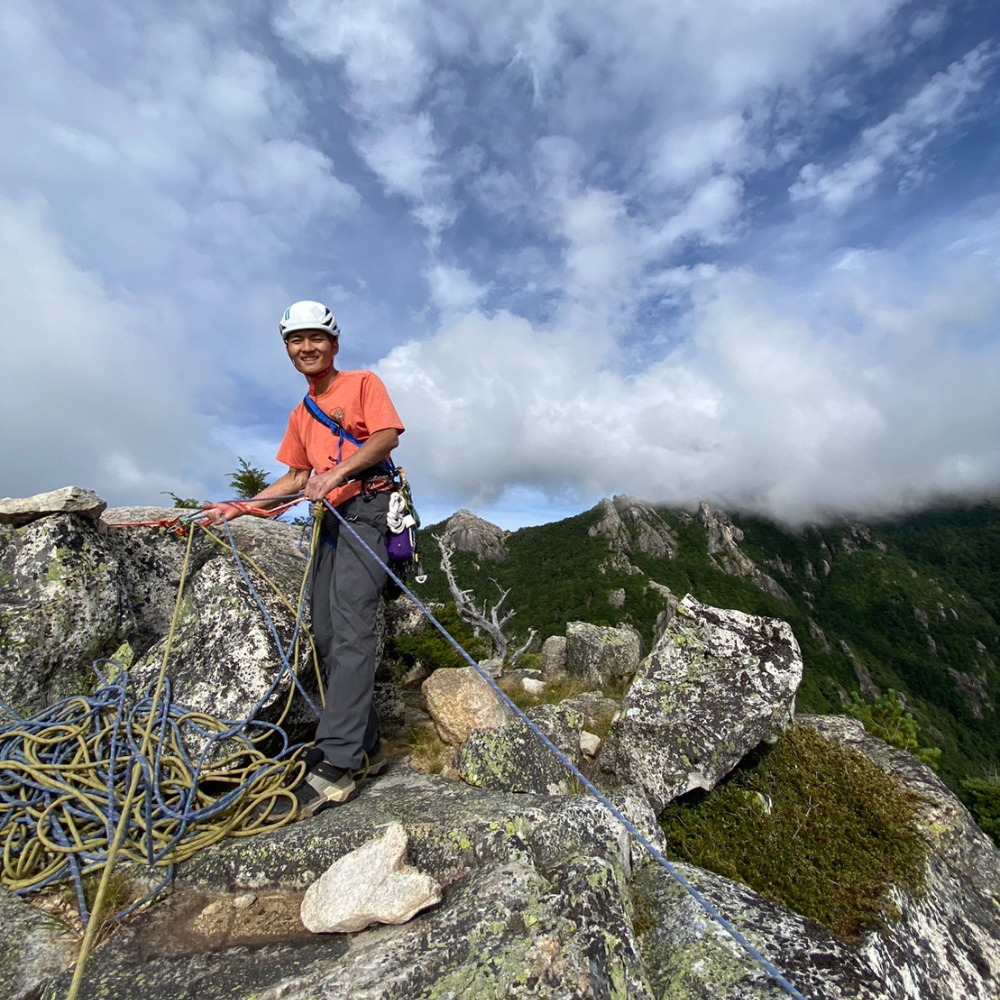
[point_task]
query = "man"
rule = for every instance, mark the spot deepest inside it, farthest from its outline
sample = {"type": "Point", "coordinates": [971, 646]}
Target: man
{"type": "Point", "coordinates": [346, 582]}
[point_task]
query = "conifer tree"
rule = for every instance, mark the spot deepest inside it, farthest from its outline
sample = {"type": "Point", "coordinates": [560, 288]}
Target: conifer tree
{"type": "Point", "coordinates": [247, 481]}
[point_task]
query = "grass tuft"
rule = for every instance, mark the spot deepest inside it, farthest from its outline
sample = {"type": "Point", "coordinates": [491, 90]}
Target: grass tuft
{"type": "Point", "coordinates": [554, 692]}
{"type": "Point", "coordinates": [428, 754]}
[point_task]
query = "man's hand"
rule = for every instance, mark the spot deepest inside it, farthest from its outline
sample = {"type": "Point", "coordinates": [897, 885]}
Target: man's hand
{"type": "Point", "coordinates": [219, 513]}
{"type": "Point", "coordinates": [319, 485]}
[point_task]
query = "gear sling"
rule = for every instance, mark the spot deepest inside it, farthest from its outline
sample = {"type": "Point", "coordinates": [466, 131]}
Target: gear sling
{"type": "Point", "coordinates": [403, 520]}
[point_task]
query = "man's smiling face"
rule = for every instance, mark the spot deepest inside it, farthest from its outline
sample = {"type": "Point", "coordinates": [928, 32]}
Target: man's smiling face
{"type": "Point", "coordinates": [312, 351]}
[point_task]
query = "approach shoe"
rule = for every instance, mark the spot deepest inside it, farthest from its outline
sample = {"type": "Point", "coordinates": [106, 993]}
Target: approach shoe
{"type": "Point", "coordinates": [375, 763]}
{"type": "Point", "coordinates": [323, 786]}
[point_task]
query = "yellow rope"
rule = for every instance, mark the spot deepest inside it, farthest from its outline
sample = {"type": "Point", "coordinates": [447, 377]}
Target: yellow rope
{"type": "Point", "coordinates": [28, 862]}
{"type": "Point", "coordinates": [31, 857]}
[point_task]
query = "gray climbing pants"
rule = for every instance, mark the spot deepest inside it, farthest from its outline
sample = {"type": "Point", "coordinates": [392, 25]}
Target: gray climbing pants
{"type": "Point", "coordinates": [345, 594]}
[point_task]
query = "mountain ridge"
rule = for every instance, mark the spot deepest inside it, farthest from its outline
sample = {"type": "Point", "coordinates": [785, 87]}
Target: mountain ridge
{"type": "Point", "coordinates": [907, 604]}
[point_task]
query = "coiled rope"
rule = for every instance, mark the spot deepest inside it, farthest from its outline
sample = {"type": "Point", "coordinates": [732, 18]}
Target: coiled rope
{"type": "Point", "coordinates": [572, 769]}
{"type": "Point", "coordinates": [93, 779]}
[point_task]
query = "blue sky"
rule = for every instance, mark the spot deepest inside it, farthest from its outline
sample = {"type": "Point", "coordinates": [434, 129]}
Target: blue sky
{"type": "Point", "coordinates": [716, 250]}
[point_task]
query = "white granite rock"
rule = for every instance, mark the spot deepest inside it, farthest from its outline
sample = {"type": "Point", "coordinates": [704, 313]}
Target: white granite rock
{"type": "Point", "coordinates": [372, 885]}
{"type": "Point", "coordinates": [717, 684]}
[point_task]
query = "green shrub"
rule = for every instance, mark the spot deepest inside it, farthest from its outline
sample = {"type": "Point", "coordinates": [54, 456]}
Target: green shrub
{"type": "Point", "coordinates": [982, 797]}
{"type": "Point", "coordinates": [431, 649]}
{"type": "Point", "coordinates": [813, 826]}
{"type": "Point", "coordinates": [529, 661]}
{"type": "Point", "coordinates": [888, 719]}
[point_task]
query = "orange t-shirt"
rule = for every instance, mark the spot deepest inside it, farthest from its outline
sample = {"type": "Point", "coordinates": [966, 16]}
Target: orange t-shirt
{"type": "Point", "coordinates": [358, 401]}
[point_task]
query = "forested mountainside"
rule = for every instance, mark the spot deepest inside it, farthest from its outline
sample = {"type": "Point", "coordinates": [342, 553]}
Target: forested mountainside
{"type": "Point", "coordinates": [911, 605]}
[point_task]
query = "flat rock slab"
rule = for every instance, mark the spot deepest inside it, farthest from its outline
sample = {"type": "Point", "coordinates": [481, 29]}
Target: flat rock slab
{"type": "Point", "coordinates": [17, 511]}
{"type": "Point", "coordinates": [507, 930]}
{"type": "Point", "coordinates": [453, 829]}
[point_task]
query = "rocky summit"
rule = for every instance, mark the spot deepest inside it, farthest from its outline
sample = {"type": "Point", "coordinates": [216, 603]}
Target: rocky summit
{"type": "Point", "coordinates": [477, 865]}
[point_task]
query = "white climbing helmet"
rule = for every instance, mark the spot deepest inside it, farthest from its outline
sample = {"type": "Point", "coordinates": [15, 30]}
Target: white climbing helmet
{"type": "Point", "coordinates": [307, 315]}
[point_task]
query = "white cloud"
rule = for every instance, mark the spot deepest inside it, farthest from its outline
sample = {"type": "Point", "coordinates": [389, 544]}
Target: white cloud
{"type": "Point", "coordinates": [404, 67]}
{"type": "Point", "coordinates": [691, 150]}
{"type": "Point", "coordinates": [403, 154]}
{"type": "Point", "coordinates": [107, 400]}
{"type": "Point", "coordinates": [795, 404]}
{"type": "Point", "coordinates": [900, 139]}
{"type": "Point", "coordinates": [288, 179]}
{"type": "Point", "coordinates": [453, 289]}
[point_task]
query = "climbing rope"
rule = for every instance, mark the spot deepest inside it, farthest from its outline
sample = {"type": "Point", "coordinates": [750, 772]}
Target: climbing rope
{"type": "Point", "coordinates": [91, 780]}
{"type": "Point", "coordinates": [66, 770]}
{"type": "Point", "coordinates": [656, 855]}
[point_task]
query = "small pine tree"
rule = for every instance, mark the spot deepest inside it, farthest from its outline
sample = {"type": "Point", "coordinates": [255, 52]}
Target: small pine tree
{"type": "Point", "coordinates": [247, 481]}
{"type": "Point", "coordinates": [181, 501]}
{"type": "Point", "coordinates": [888, 719]}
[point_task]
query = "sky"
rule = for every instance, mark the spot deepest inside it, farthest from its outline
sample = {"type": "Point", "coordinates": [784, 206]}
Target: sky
{"type": "Point", "coordinates": [724, 250]}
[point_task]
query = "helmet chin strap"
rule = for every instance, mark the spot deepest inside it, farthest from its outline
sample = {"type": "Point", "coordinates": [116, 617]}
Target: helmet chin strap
{"type": "Point", "coordinates": [319, 378]}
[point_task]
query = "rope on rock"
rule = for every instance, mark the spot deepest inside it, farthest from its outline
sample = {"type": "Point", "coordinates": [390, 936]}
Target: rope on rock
{"type": "Point", "coordinates": [656, 855]}
{"type": "Point", "coordinates": [94, 778]}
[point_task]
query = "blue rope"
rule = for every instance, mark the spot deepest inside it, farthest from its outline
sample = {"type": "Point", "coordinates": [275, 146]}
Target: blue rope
{"type": "Point", "coordinates": [57, 805]}
{"type": "Point", "coordinates": [109, 728]}
{"type": "Point", "coordinates": [581, 777]}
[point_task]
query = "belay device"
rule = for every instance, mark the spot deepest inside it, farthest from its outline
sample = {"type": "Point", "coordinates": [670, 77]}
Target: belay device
{"type": "Point", "coordinates": [403, 519]}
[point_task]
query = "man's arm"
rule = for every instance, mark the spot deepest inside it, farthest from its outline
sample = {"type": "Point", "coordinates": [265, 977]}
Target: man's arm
{"type": "Point", "coordinates": [287, 485]}
{"type": "Point", "coordinates": [377, 447]}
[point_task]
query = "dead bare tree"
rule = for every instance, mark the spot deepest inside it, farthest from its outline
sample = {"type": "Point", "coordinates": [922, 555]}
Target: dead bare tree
{"type": "Point", "coordinates": [467, 610]}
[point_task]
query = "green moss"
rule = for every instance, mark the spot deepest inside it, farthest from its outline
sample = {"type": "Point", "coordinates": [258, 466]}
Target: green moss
{"type": "Point", "coordinates": [813, 826]}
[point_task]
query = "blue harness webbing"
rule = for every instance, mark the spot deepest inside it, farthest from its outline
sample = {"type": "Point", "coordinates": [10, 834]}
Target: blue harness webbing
{"type": "Point", "coordinates": [314, 411]}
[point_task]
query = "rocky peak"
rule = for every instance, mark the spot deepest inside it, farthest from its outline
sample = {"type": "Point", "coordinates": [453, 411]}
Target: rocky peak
{"type": "Point", "coordinates": [633, 525]}
{"type": "Point", "coordinates": [723, 549]}
{"type": "Point", "coordinates": [465, 532]}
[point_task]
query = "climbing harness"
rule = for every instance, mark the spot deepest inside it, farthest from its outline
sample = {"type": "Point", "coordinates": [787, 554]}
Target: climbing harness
{"type": "Point", "coordinates": [403, 521]}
